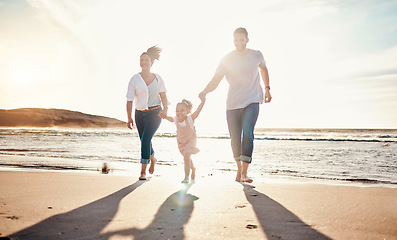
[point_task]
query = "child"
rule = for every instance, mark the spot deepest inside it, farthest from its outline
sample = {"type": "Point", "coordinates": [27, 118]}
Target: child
{"type": "Point", "coordinates": [186, 134]}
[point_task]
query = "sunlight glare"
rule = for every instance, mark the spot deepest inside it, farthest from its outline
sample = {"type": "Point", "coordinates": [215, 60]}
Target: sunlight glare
{"type": "Point", "coordinates": [24, 72]}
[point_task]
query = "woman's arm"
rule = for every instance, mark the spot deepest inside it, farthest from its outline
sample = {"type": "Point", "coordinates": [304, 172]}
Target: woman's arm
{"type": "Point", "coordinates": [164, 101]}
{"type": "Point", "coordinates": [130, 122]}
{"type": "Point", "coordinates": [199, 108]}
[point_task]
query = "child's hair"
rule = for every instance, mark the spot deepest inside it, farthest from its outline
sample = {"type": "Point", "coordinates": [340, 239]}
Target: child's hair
{"type": "Point", "coordinates": [188, 104]}
{"type": "Point", "coordinates": [153, 53]}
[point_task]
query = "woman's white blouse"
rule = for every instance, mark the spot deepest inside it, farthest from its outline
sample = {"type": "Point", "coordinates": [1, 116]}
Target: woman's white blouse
{"type": "Point", "coordinates": [138, 91]}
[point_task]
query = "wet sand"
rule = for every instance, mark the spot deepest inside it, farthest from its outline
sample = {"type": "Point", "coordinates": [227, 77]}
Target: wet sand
{"type": "Point", "coordinates": [59, 205]}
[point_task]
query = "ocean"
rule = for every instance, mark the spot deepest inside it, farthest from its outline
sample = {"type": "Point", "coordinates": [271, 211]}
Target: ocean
{"type": "Point", "coordinates": [348, 156]}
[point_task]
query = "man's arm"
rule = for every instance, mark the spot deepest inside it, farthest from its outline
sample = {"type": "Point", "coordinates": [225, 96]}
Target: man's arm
{"type": "Point", "coordinates": [266, 81]}
{"type": "Point", "coordinates": [211, 86]}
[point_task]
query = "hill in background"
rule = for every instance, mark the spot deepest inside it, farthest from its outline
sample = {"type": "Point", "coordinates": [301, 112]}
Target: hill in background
{"type": "Point", "coordinates": [41, 117]}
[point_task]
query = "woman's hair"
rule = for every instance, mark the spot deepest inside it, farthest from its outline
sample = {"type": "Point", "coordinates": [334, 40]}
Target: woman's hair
{"type": "Point", "coordinates": [241, 30]}
{"type": "Point", "coordinates": [153, 53]}
{"type": "Point", "coordinates": [188, 104]}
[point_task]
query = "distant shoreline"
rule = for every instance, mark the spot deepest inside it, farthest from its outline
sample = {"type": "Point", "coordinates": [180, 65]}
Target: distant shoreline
{"type": "Point", "coordinates": [47, 118]}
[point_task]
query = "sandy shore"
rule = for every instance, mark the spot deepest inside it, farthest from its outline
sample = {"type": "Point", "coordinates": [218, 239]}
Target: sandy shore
{"type": "Point", "coordinates": [57, 205]}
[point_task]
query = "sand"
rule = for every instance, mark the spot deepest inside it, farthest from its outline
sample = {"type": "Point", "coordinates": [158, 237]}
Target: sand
{"type": "Point", "coordinates": [59, 205]}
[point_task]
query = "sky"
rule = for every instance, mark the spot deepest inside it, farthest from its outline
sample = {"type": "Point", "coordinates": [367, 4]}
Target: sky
{"type": "Point", "coordinates": [332, 64]}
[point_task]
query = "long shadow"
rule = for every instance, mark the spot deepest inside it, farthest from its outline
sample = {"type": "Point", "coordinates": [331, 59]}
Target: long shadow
{"type": "Point", "coordinates": [277, 221]}
{"type": "Point", "coordinates": [85, 222]}
{"type": "Point", "coordinates": [169, 221]}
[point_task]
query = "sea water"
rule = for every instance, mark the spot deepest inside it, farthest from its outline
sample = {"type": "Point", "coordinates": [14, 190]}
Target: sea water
{"type": "Point", "coordinates": [333, 155]}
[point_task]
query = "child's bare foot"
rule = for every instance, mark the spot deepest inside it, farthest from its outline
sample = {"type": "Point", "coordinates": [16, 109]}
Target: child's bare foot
{"type": "Point", "coordinates": [186, 180]}
{"type": "Point", "coordinates": [153, 161]}
{"type": "Point", "coordinates": [142, 177]}
{"type": "Point", "coordinates": [245, 178]}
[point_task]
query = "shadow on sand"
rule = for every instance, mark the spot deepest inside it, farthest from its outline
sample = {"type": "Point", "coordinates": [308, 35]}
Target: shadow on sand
{"type": "Point", "coordinates": [169, 221]}
{"type": "Point", "coordinates": [278, 222]}
{"type": "Point", "coordinates": [85, 222]}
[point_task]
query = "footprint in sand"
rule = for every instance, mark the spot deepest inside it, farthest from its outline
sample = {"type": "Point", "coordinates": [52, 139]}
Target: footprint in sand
{"type": "Point", "coordinates": [240, 206]}
{"type": "Point", "coordinates": [252, 226]}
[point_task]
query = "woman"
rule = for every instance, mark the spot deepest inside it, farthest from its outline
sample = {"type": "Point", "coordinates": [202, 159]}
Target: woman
{"type": "Point", "coordinates": [149, 92]}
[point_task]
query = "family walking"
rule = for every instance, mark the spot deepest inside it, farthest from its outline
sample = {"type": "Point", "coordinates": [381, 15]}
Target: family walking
{"type": "Point", "coordinates": [243, 68]}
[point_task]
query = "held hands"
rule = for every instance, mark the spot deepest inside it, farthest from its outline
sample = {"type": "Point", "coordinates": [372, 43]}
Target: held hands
{"type": "Point", "coordinates": [163, 113]}
{"type": "Point", "coordinates": [202, 99]}
{"type": "Point", "coordinates": [202, 96]}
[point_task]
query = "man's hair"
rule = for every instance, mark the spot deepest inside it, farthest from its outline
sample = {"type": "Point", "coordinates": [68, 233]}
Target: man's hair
{"type": "Point", "coordinates": [241, 30]}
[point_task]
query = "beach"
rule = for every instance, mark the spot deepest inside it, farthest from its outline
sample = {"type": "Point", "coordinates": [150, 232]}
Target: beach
{"type": "Point", "coordinates": [74, 205]}
{"type": "Point", "coordinates": [308, 184]}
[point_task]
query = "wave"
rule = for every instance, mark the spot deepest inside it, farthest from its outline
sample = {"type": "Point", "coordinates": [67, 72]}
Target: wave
{"type": "Point", "coordinates": [285, 173]}
{"type": "Point", "coordinates": [45, 167]}
{"type": "Point", "coordinates": [327, 139]}
{"type": "Point", "coordinates": [382, 140]}
{"type": "Point", "coordinates": [293, 173]}
{"type": "Point", "coordinates": [370, 136]}
{"type": "Point", "coordinates": [357, 180]}
{"type": "Point", "coordinates": [315, 135]}
{"type": "Point", "coordinates": [30, 150]}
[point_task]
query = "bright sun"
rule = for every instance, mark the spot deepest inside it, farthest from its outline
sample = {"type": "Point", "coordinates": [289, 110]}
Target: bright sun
{"type": "Point", "coordinates": [23, 73]}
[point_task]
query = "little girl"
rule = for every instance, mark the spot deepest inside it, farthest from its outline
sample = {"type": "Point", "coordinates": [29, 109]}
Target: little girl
{"type": "Point", "coordinates": [186, 134]}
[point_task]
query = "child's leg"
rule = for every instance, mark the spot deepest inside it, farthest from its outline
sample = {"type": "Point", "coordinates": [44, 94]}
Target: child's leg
{"type": "Point", "coordinates": [188, 162]}
{"type": "Point", "coordinates": [193, 176]}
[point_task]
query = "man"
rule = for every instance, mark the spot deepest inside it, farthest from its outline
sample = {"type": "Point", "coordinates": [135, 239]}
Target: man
{"type": "Point", "coordinates": [240, 67]}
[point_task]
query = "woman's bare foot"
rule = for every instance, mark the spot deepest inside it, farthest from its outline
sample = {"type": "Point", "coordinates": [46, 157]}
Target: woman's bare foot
{"type": "Point", "coordinates": [153, 161]}
{"type": "Point", "coordinates": [142, 177]}
{"type": "Point", "coordinates": [193, 175]}
{"type": "Point", "coordinates": [245, 178]}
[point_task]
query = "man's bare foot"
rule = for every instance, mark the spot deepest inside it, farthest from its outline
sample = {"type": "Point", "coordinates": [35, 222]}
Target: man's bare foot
{"type": "Point", "coordinates": [245, 178]}
{"type": "Point", "coordinates": [142, 177]}
{"type": "Point", "coordinates": [153, 161]}
{"type": "Point", "coordinates": [238, 176]}
{"type": "Point", "coordinates": [239, 169]}
{"type": "Point", "coordinates": [186, 180]}
{"type": "Point", "coordinates": [193, 175]}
